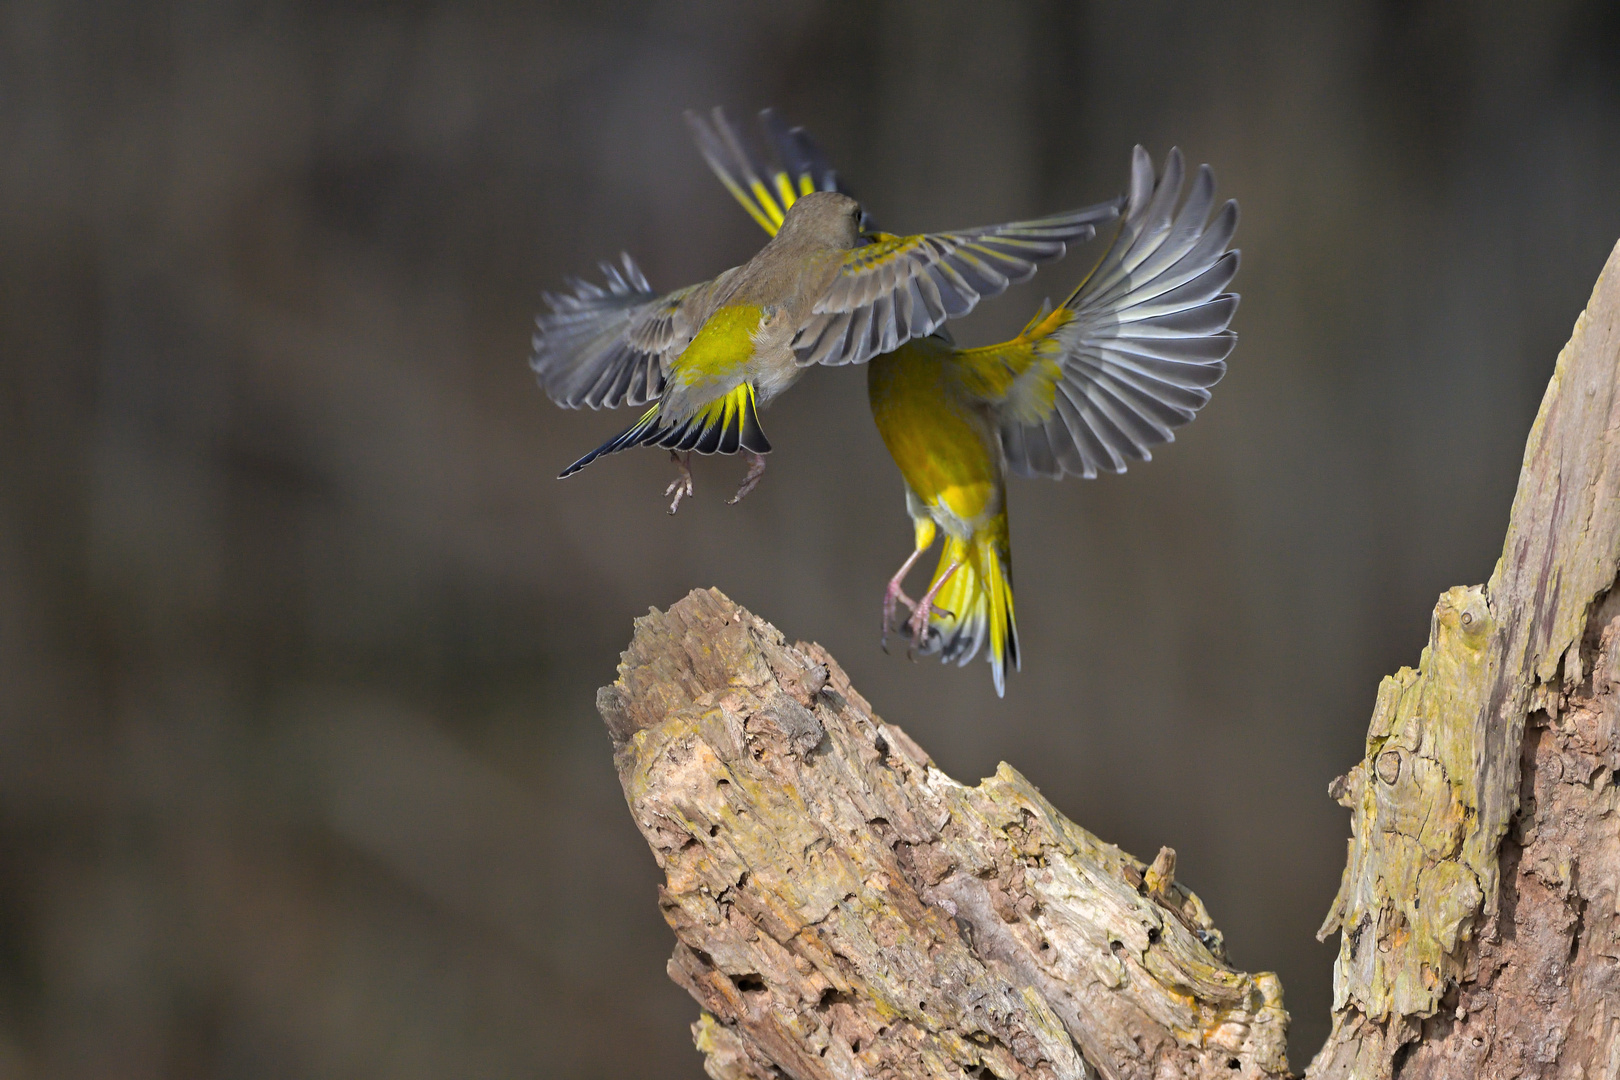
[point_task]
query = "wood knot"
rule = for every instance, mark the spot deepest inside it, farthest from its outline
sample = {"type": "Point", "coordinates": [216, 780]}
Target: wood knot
{"type": "Point", "coordinates": [1389, 766]}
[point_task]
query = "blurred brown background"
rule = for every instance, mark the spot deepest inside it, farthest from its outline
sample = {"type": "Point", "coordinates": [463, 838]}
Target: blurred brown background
{"type": "Point", "coordinates": [299, 770]}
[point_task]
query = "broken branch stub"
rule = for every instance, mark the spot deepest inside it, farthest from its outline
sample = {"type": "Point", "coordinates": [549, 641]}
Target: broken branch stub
{"type": "Point", "coordinates": [842, 907]}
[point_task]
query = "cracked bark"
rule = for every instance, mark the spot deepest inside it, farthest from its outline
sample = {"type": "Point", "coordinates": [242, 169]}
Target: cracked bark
{"type": "Point", "coordinates": [843, 908]}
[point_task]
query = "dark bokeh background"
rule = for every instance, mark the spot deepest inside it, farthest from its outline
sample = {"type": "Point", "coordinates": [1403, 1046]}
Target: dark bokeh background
{"type": "Point", "coordinates": [299, 771]}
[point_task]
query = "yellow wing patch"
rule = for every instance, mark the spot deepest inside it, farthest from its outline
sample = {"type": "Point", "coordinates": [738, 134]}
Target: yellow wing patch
{"type": "Point", "coordinates": [766, 189]}
{"type": "Point", "coordinates": [884, 248]}
{"type": "Point", "coordinates": [1020, 376]}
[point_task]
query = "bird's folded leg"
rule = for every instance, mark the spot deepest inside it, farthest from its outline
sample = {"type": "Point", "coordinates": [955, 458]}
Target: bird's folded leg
{"type": "Point", "coordinates": [894, 593]}
{"type": "Point", "coordinates": [925, 607]}
{"type": "Point", "coordinates": [681, 486]}
{"type": "Point", "coordinates": [756, 469]}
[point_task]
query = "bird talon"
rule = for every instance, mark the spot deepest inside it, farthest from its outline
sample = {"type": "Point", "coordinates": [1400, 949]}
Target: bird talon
{"type": "Point", "coordinates": [681, 486]}
{"type": "Point", "coordinates": [893, 594]}
{"type": "Point", "coordinates": [756, 469]}
{"type": "Point", "coordinates": [923, 611]}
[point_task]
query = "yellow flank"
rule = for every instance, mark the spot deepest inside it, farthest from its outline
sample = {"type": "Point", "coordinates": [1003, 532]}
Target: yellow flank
{"type": "Point", "coordinates": [944, 445]}
{"type": "Point", "coordinates": [721, 348]}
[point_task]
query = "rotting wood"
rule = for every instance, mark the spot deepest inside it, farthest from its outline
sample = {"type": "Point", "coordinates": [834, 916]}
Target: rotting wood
{"type": "Point", "coordinates": [843, 908]}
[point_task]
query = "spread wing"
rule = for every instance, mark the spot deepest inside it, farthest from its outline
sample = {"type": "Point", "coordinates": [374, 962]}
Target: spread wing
{"type": "Point", "coordinates": [896, 288]}
{"type": "Point", "coordinates": [1131, 355]}
{"type": "Point", "coordinates": [604, 346]}
{"type": "Point", "coordinates": [766, 189]}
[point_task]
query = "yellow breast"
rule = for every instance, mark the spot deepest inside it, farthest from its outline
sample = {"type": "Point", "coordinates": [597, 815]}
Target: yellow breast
{"type": "Point", "coordinates": [945, 446]}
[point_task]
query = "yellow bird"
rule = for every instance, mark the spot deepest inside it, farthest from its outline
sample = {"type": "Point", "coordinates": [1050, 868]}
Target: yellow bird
{"type": "Point", "coordinates": [1085, 388]}
{"type": "Point", "coordinates": [820, 292]}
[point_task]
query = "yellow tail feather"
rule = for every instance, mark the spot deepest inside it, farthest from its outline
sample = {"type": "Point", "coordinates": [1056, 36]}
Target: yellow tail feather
{"type": "Point", "coordinates": [973, 609]}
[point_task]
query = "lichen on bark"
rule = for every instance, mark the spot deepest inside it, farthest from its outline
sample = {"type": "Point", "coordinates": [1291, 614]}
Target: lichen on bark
{"type": "Point", "coordinates": [1429, 907]}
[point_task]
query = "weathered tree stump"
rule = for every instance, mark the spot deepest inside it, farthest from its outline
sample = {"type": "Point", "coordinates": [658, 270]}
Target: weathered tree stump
{"type": "Point", "coordinates": [1478, 908]}
{"type": "Point", "coordinates": [843, 908]}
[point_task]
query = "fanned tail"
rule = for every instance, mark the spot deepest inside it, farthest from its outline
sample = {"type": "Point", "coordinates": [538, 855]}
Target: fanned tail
{"type": "Point", "coordinates": [726, 425]}
{"type": "Point", "coordinates": [974, 607]}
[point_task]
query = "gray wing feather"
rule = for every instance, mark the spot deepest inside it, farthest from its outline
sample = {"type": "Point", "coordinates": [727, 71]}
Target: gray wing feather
{"type": "Point", "coordinates": [603, 345]}
{"type": "Point", "coordinates": [794, 156]}
{"type": "Point", "coordinates": [940, 276]}
{"type": "Point", "coordinates": [1149, 337]}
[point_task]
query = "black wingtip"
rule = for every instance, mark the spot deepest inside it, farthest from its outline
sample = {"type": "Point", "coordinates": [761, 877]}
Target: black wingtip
{"type": "Point", "coordinates": [634, 435]}
{"type": "Point", "coordinates": [606, 447]}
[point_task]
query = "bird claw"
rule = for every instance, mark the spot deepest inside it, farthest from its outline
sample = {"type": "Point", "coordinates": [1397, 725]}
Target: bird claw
{"type": "Point", "coordinates": [918, 625]}
{"type": "Point", "coordinates": [891, 596]}
{"type": "Point", "coordinates": [895, 592]}
{"type": "Point", "coordinates": [756, 469]}
{"type": "Point", "coordinates": [923, 610]}
{"type": "Point", "coordinates": [681, 486]}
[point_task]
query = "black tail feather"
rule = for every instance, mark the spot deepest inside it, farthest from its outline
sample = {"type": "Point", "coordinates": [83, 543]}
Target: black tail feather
{"type": "Point", "coordinates": [723, 427]}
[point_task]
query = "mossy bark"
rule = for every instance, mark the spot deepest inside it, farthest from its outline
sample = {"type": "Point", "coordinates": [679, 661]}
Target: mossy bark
{"type": "Point", "coordinates": [843, 908]}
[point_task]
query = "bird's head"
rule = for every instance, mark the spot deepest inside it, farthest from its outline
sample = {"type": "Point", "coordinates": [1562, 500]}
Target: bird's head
{"type": "Point", "coordinates": [824, 217]}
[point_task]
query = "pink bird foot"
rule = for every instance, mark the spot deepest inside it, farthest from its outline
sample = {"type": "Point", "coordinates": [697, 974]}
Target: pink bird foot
{"type": "Point", "coordinates": [893, 594]}
{"type": "Point", "coordinates": [681, 486]}
{"type": "Point", "coordinates": [756, 469]}
{"type": "Point", "coordinates": [924, 609]}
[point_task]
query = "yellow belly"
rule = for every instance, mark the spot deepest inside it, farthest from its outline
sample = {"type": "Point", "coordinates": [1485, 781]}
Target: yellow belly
{"type": "Point", "coordinates": [945, 446]}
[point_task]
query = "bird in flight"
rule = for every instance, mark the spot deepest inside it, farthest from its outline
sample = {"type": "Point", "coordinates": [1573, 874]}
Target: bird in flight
{"type": "Point", "coordinates": [821, 291]}
{"type": "Point", "coordinates": [1086, 387]}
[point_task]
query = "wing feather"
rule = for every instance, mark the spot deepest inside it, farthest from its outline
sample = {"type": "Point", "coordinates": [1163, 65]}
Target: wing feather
{"type": "Point", "coordinates": [1132, 353]}
{"type": "Point", "coordinates": [956, 269]}
{"type": "Point", "coordinates": [765, 188]}
{"type": "Point", "coordinates": [603, 346]}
